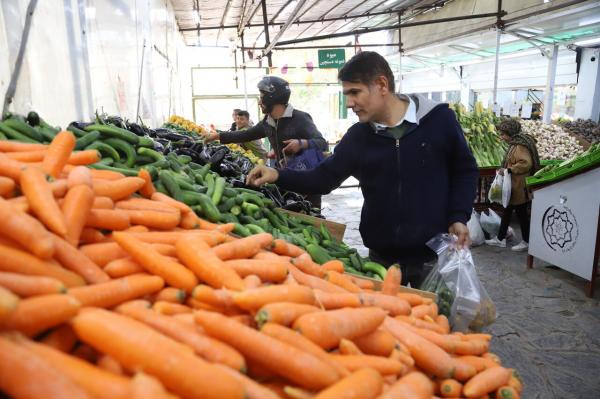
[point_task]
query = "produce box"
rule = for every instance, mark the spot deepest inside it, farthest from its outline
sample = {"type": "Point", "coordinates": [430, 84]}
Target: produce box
{"type": "Point", "coordinates": [378, 283]}
{"type": "Point", "coordinates": [337, 230]}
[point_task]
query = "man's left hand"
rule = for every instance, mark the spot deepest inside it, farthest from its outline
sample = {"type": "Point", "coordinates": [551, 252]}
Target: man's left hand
{"type": "Point", "coordinates": [462, 232]}
{"type": "Point", "coordinates": [293, 146]}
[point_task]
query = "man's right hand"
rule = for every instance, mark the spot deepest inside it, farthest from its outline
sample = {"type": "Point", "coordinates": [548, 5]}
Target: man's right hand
{"type": "Point", "coordinates": [211, 136]}
{"type": "Point", "coordinates": [262, 175]}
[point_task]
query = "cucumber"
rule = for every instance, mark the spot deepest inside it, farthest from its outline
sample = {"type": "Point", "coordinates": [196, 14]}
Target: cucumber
{"type": "Point", "coordinates": [209, 179]}
{"type": "Point", "coordinates": [15, 135]}
{"type": "Point", "coordinates": [143, 159]}
{"type": "Point", "coordinates": [48, 132]}
{"type": "Point", "coordinates": [125, 148]}
{"type": "Point", "coordinates": [160, 187]}
{"type": "Point", "coordinates": [184, 159]}
{"type": "Point", "coordinates": [125, 171]}
{"type": "Point", "coordinates": [252, 198]}
{"type": "Point", "coordinates": [228, 218]}
{"type": "Point", "coordinates": [254, 229]}
{"type": "Point", "coordinates": [145, 142]}
{"type": "Point", "coordinates": [104, 149]}
{"type": "Point", "coordinates": [114, 131]}
{"type": "Point", "coordinates": [86, 140]}
{"type": "Point", "coordinates": [319, 254]}
{"type": "Point", "coordinates": [204, 170]}
{"type": "Point", "coordinates": [375, 268]}
{"type": "Point", "coordinates": [77, 132]}
{"type": "Point", "coordinates": [241, 230]}
{"type": "Point", "coordinates": [209, 209]}
{"type": "Point", "coordinates": [170, 184]}
{"type": "Point", "coordinates": [229, 192]}
{"type": "Point", "coordinates": [23, 128]}
{"type": "Point", "coordinates": [250, 209]}
{"type": "Point", "coordinates": [218, 191]}
{"type": "Point", "coordinates": [157, 156]}
{"type": "Point", "coordinates": [226, 205]}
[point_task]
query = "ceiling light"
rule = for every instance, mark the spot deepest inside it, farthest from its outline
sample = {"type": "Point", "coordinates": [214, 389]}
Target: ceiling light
{"type": "Point", "coordinates": [588, 42]}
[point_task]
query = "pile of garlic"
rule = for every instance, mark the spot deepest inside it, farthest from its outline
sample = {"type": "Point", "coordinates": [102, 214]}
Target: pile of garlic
{"type": "Point", "coordinates": [553, 141]}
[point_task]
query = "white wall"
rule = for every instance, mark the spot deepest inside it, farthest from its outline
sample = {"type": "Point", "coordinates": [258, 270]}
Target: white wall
{"type": "Point", "coordinates": [86, 55]}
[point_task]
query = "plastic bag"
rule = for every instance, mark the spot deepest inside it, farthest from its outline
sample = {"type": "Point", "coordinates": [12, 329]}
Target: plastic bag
{"type": "Point", "coordinates": [495, 193]}
{"type": "Point", "coordinates": [490, 224]}
{"type": "Point", "coordinates": [461, 296]}
{"type": "Point", "coordinates": [506, 188]}
{"type": "Point", "coordinates": [475, 231]}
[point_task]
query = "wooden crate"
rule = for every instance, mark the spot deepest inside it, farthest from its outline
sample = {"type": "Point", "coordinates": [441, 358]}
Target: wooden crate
{"type": "Point", "coordinates": [336, 230]}
{"type": "Point", "coordinates": [377, 287]}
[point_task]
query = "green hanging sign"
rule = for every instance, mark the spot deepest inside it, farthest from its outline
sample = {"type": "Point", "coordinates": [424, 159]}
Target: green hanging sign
{"type": "Point", "coordinates": [332, 58]}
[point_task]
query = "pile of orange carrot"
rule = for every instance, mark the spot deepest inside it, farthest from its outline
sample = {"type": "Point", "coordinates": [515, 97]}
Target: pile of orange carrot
{"type": "Point", "coordinates": [110, 289]}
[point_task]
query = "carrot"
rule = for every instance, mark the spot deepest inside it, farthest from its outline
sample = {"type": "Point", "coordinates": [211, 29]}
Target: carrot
{"type": "Point", "coordinates": [334, 265]}
{"type": "Point", "coordinates": [450, 388]}
{"type": "Point", "coordinates": [61, 338]}
{"type": "Point", "coordinates": [392, 281]}
{"type": "Point", "coordinates": [198, 257]}
{"type": "Point", "coordinates": [108, 219]}
{"type": "Point", "coordinates": [150, 259]}
{"type": "Point", "coordinates": [10, 167]}
{"type": "Point", "coordinates": [145, 386]}
{"type": "Point", "coordinates": [492, 357]}
{"type": "Point", "coordinates": [326, 329]}
{"type": "Point", "coordinates": [206, 225]}
{"type": "Point", "coordinates": [58, 153]}
{"type": "Point", "coordinates": [507, 392]}
{"type": "Point", "coordinates": [154, 219]}
{"type": "Point", "coordinates": [117, 291]}
{"type": "Point", "coordinates": [243, 248]}
{"type": "Point", "coordinates": [211, 238]}
{"type": "Point", "coordinates": [478, 362]}
{"type": "Point", "coordinates": [421, 323]}
{"type": "Point", "coordinates": [104, 174]}
{"type": "Point", "coordinates": [428, 356]}
{"type": "Point", "coordinates": [267, 270]}
{"type": "Point", "coordinates": [103, 203]}
{"type": "Point", "coordinates": [170, 308]}
{"type": "Point", "coordinates": [17, 261]}
{"type": "Point", "coordinates": [79, 175]}
{"type": "Point", "coordinates": [305, 264]}
{"type": "Point", "coordinates": [42, 202]}
{"type": "Point", "coordinates": [281, 247]}
{"type": "Point", "coordinates": [285, 360]}
{"type": "Point", "coordinates": [148, 188]}
{"type": "Point", "coordinates": [402, 357]}
{"type": "Point", "coordinates": [145, 204]}
{"type": "Point", "coordinates": [226, 228]}
{"type": "Point", "coordinates": [420, 311]}
{"type": "Point", "coordinates": [104, 252]}
{"type": "Point", "coordinates": [412, 299]}
{"type": "Point", "coordinates": [220, 298]}
{"type": "Point", "coordinates": [137, 229]}
{"type": "Point", "coordinates": [377, 343]}
{"type": "Point", "coordinates": [515, 381]}
{"type": "Point", "coordinates": [27, 156]}
{"type": "Point", "coordinates": [7, 187]}
{"type": "Point", "coordinates": [209, 348]}
{"type": "Point", "coordinates": [95, 381]}
{"type": "Point", "coordinates": [118, 189]}
{"type": "Point", "coordinates": [76, 208]}
{"type": "Point", "coordinates": [383, 365]}
{"type": "Point", "coordinates": [284, 313]}
{"type": "Point", "coordinates": [443, 323]}
{"type": "Point", "coordinates": [23, 374]}
{"type": "Point", "coordinates": [414, 385]}
{"type": "Point", "coordinates": [297, 393]}
{"type": "Point", "coordinates": [189, 221]}
{"type": "Point", "coordinates": [395, 306]}
{"type": "Point", "coordinates": [26, 286]}
{"type": "Point", "coordinates": [171, 362]}
{"type": "Point", "coordinates": [85, 157]}
{"type": "Point", "coordinates": [362, 384]}
{"type": "Point", "coordinates": [256, 298]}
{"type": "Point", "coordinates": [8, 303]}
{"type": "Point", "coordinates": [122, 267]}
{"type": "Point", "coordinates": [86, 352]}
{"type": "Point", "coordinates": [253, 389]}
{"type": "Point", "coordinates": [76, 261]}
{"type": "Point", "coordinates": [36, 314]}
{"type": "Point", "coordinates": [252, 281]}
{"type": "Point", "coordinates": [15, 146]}
{"type": "Point", "coordinates": [476, 337]}
{"type": "Point", "coordinates": [160, 197]}
{"type": "Point", "coordinates": [348, 347]}
{"type": "Point", "coordinates": [109, 364]}
{"type": "Point", "coordinates": [89, 235]}
{"type": "Point", "coordinates": [25, 230]}
{"type": "Point", "coordinates": [171, 294]}
{"type": "Point", "coordinates": [331, 301]}
{"type": "Point", "coordinates": [314, 281]}
{"type": "Point", "coordinates": [487, 381]}
{"type": "Point", "coordinates": [342, 280]}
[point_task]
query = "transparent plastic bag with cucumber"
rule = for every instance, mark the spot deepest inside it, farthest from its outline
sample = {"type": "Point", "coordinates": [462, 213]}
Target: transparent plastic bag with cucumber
{"type": "Point", "coordinates": [461, 295]}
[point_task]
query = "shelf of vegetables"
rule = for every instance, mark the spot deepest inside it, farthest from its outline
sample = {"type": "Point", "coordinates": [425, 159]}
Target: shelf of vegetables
{"type": "Point", "coordinates": [142, 298]}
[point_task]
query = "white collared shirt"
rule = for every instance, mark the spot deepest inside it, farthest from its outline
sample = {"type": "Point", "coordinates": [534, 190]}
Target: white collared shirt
{"type": "Point", "coordinates": [410, 115]}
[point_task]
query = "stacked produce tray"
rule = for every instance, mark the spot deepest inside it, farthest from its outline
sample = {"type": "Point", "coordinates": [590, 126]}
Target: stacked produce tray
{"type": "Point", "coordinates": [560, 170]}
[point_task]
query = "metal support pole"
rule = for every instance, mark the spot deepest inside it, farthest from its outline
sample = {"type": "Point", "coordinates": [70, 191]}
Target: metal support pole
{"type": "Point", "coordinates": [244, 69]}
{"type": "Point", "coordinates": [266, 24]}
{"type": "Point", "coordinates": [550, 77]}
{"type": "Point", "coordinates": [497, 61]}
{"type": "Point", "coordinates": [399, 88]}
{"type": "Point", "coordinates": [137, 112]}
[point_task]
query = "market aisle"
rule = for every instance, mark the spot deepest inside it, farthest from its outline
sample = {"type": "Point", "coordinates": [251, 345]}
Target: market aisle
{"type": "Point", "coordinates": [546, 328]}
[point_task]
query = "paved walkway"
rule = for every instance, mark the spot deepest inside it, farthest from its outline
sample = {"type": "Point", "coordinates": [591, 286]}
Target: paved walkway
{"type": "Point", "coordinates": [546, 328]}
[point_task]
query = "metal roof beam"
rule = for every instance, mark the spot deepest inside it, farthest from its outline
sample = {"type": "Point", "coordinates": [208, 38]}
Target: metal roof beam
{"type": "Point", "coordinates": [244, 25]}
{"type": "Point", "coordinates": [544, 51]}
{"type": "Point", "coordinates": [223, 19]}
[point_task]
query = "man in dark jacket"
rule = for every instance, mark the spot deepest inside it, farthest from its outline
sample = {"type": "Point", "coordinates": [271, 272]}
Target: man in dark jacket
{"type": "Point", "coordinates": [288, 130]}
{"type": "Point", "coordinates": [416, 173]}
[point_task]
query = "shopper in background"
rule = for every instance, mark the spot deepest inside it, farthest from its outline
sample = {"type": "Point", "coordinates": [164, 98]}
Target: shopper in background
{"type": "Point", "coordinates": [290, 131]}
{"type": "Point", "coordinates": [234, 117]}
{"type": "Point", "coordinates": [242, 122]}
{"type": "Point", "coordinates": [416, 173]}
{"type": "Point", "coordinates": [521, 160]}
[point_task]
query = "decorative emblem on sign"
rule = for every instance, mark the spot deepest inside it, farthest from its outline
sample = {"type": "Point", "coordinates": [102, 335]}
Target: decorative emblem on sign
{"type": "Point", "coordinates": [560, 228]}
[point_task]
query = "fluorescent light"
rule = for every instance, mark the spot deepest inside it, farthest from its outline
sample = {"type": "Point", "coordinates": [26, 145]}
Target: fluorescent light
{"type": "Point", "coordinates": [588, 42]}
{"type": "Point", "coordinates": [90, 12]}
{"type": "Point", "coordinates": [388, 2]}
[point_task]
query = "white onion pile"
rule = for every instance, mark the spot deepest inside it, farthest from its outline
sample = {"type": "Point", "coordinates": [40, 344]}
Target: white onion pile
{"type": "Point", "coordinates": [553, 142]}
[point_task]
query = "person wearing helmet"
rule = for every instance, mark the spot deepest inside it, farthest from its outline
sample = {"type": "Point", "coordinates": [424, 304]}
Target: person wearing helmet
{"type": "Point", "coordinates": [289, 130]}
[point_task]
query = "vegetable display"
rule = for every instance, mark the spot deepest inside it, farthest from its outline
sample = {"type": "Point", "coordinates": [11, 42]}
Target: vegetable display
{"type": "Point", "coordinates": [163, 306]}
{"type": "Point", "coordinates": [553, 142]}
{"type": "Point", "coordinates": [558, 170]}
{"type": "Point", "coordinates": [479, 128]}
{"type": "Point", "coordinates": [587, 129]}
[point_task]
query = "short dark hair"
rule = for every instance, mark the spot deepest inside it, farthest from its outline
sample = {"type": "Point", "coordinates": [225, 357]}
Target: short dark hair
{"type": "Point", "coordinates": [236, 110]}
{"type": "Point", "coordinates": [365, 67]}
{"type": "Point", "coordinates": [243, 113]}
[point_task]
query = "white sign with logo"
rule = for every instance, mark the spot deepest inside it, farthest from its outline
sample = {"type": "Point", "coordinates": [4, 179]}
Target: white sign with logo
{"type": "Point", "coordinates": [564, 223]}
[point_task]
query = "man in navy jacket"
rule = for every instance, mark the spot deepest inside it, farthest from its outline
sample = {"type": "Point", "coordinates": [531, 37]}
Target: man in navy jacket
{"type": "Point", "coordinates": [416, 173]}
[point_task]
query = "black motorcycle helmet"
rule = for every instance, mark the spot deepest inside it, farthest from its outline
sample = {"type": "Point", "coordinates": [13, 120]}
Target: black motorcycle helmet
{"type": "Point", "coordinates": [273, 90]}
